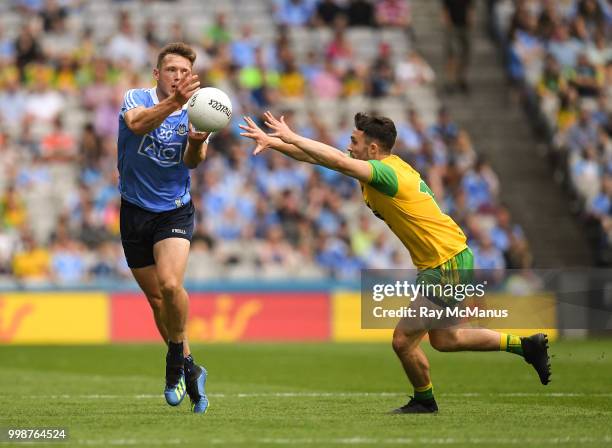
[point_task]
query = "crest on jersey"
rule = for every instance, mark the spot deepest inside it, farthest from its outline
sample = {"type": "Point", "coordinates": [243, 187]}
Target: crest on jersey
{"type": "Point", "coordinates": [182, 129]}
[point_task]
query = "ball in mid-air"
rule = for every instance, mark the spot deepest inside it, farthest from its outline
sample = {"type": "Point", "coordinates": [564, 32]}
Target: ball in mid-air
{"type": "Point", "coordinates": [209, 109]}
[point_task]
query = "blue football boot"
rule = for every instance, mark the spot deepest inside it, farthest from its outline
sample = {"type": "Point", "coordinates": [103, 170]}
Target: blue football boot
{"type": "Point", "coordinates": [175, 385]}
{"type": "Point", "coordinates": [196, 380]}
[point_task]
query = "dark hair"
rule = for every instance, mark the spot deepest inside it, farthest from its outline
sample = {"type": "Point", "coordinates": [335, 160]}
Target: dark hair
{"type": "Point", "coordinates": [180, 48]}
{"type": "Point", "coordinates": [381, 129]}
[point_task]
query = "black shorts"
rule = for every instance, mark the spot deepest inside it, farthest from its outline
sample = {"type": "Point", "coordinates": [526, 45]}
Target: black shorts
{"type": "Point", "coordinates": [141, 229]}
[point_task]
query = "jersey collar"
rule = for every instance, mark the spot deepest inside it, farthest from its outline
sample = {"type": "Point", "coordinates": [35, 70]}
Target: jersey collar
{"type": "Point", "coordinates": [153, 93]}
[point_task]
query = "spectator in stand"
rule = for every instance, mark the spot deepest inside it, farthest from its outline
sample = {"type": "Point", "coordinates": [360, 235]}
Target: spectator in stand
{"type": "Point", "coordinates": [563, 47]}
{"type": "Point", "coordinates": [327, 83]}
{"type": "Point", "coordinates": [585, 172]}
{"type": "Point", "coordinates": [583, 133]}
{"type": "Point", "coordinates": [31, 263]}
{"type": "Point", "coordinates": [340, 50]}
{"type": "Point", "coordinates": [291, 83]}
{"type": "Point", "coordinates": [551, 85]}
{"type": "Point", "coordinates": [457, 16]}
{"type": "Point", "coordinates": [526, 53]}
{"type": "Point", "coordinates": [53, 16]}
{"type": "Point", "coordinates": [444, 129]}
{"type": "Point", "coordinates": [7, 47]}
{"type": "Point", "coordinates": [12, 208]}
{"type": "Point", "coordinates": [382, 76]}
{"type": "Point", "coordinates": [411, 133]}
{"type": "Point", "coordinates": [27, 49]}
{"type": "Point", "coordinates": [327, 12]}
{"type": "Point", "coordinates": [585, 77]}
{"type": "Point", "coordinates": [275, 251]}
{"type": "Point", "coordinates": [481, 187]}
{"type": "Point", "coordinates": [127, 46]}
{"type": "Point", "coordinates": [598, 51]}
{"type": "Point", "coordinates": [360, 13]}
{"type": "Point", "coordinates": [294, 12]}
{"type": "Point", "coordinates": [218, 33]}
{"type": "Point", "coordinates": [395, 14]}
{"type": "Point", "coordinates": [413, 71]}
{"type": "Point", "coordinates": [244, 48]}
{"type": "Point", "coordinates": [487, 256]}
{"type": "Point", "coordinates": [591, 16]}
{"type": "Point", "coordinates": [43, 103]}
{"type": "Point", "coordinates": [58, 145]}
{"type": "Point", "coordinates": [68, 264]}
{"type": "Point", "coordinates": [12, 102]}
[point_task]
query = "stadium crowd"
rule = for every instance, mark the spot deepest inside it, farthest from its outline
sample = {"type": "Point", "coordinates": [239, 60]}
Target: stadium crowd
{"type": "Point", "coordinates": [62, 85]}
{"type": "Point", "coordinates": [559, 55]}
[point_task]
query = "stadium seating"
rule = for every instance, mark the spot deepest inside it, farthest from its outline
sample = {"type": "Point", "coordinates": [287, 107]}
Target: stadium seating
{"type": "Point", "coordinates": [63, 198]}
{"type": "Point", "coordinates": [559, 57]}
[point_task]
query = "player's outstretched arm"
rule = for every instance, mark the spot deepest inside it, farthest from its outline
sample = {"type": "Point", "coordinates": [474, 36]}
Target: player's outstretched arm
{"type": "Point", "coordinates": [325, 155]}
{"type": "Point", "coordinates": [263, 141]}
{"type": "Point", "coordinates": [141, 120]}
{"type": "Point", "coordinates": [197, 147]}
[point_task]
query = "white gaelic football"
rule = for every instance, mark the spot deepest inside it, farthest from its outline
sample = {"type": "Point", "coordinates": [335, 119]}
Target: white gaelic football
{"type": "Point", "coordinates": [209, 109]}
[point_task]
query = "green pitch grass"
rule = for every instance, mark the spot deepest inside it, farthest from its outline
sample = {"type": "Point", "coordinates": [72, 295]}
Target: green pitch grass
{"type": "Point", "coordinates": [309, 395]}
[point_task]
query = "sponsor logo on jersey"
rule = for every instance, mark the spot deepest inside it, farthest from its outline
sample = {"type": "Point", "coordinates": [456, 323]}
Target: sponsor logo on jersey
{"type": "Point", "coordinates": [165, 154]}
{"type": "Point", "coordinates": [181, 231]}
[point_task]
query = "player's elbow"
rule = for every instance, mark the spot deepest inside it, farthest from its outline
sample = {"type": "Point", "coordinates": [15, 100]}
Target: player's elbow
{"type": "Point", "coordinates": [345, 165]}
{"type": "Point", "coordinates": [136, 126]}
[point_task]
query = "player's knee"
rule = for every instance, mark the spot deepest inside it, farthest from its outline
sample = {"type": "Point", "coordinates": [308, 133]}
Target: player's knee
{"type": "Point", "coordinates": [169, 288]}
{"type": "Point", "coordinates": [399, 342]}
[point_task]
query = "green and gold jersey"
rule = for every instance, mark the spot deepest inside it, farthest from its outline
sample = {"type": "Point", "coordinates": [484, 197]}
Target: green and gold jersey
{"type": "Point", "coordinates": [397, 194]}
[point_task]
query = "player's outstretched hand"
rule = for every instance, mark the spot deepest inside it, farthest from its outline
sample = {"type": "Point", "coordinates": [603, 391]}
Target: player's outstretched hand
{"type": "Point", "coordinates": [280, 128]}
{"type": "Point", "coordinates": [185, 88]}
{"type": "Point", "coordinates": [196, 137]}
{"type": "Point", "coordinates": [254, 132]}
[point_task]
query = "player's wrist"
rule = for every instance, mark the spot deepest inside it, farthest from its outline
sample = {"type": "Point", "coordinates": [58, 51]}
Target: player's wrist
{"type": "Point", "coordinates": [291, 139]}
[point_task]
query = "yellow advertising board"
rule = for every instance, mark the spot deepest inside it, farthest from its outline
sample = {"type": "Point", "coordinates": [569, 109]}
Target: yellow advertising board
{"type": "Point", "coordinates": [54, 318]}
{"type": "Point", "coordinates": [346, 320]}
{"type": "Point", "coordinates": [346, 317]}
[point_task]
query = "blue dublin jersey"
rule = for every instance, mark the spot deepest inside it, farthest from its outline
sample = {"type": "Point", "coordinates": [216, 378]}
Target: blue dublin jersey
{"type": "Point", "coordinates": [152, 174]}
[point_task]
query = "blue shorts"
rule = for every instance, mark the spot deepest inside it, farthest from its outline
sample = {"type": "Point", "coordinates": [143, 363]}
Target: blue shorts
{"type": "Point", "coordinates": [141, 229]}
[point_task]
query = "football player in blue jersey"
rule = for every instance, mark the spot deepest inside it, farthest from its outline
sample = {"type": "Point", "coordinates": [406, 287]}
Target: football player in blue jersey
{"type": "Point", "coordinates": [156, 148]}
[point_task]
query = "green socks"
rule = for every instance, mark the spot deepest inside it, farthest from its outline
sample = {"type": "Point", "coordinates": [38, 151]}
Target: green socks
{"type": "Point", "coordinates": [424, 393]}
{"type": "Point", "coordinates": [510, 343]}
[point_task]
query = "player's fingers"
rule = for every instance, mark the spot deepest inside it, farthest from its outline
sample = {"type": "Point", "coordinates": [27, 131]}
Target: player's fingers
{"type": "Point", "coordinates": [270, 117]}
{"type": "Point", "coordinates": [250, 121]}
{"type": "Point", "coordinates": [272, 124]}
{"type": "Point", "coordinates": [190, 79]}
{"type": "Point", "coordinates": [193, 87]}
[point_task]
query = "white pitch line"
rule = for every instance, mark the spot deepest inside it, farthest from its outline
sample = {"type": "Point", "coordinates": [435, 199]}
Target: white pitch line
{"type": "Point", "coordinates": [325, 395]}
{"type": "Point", "coordinates": [485, 441]}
